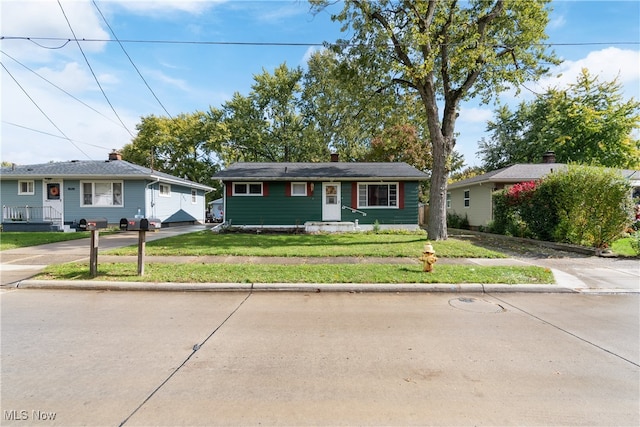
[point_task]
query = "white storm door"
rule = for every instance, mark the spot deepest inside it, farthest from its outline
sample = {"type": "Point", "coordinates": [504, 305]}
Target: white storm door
{"type": "Point", "coordinates": [52, 200]}
{"type": "Point", "coordinates": [331, 209]}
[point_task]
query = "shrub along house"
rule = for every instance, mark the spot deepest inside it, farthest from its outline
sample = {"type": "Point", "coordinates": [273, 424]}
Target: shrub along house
{"type": "Point", "coordinates": [331, 196]}
{"type": "Point", "coordinates": [473, 198]}
{"type": "Point", "coordinates": [55, 196]}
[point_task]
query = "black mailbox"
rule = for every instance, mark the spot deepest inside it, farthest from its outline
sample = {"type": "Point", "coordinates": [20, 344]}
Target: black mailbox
{"type": "Point", "coordinates": [137, 224]}
{"type": "Point", "coordinates": [89, 224]}
{"type": "Point", "coordinates": [124, 223]}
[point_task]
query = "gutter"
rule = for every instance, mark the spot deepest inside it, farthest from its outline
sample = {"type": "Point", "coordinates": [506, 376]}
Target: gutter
{"type": "Point", "coordinates": [366, 178]}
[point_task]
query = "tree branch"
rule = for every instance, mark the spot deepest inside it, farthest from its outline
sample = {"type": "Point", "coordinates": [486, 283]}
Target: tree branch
{"type": "Point", "coordinates": [397, 46]}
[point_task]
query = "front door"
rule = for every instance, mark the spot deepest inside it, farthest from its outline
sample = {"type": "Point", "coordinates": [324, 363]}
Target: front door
{"type": "Point", "coordinates": [331, 209]}
{"type": "Point", "coordinates": [52, 200]}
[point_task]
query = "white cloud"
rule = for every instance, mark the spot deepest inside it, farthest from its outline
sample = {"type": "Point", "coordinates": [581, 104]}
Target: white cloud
{"type": "Point", "coordinates": [72, 77]}
{"type": "Point", "coordinates": [607, 64]}
{"type": "Point", "coordinates": [29, 18]}
{"type": "Point", "coordinates": [475, 115]}
{"type": "Point", "coordinates": [308, 53]}
{"type": "Point", "coordinates": [165, 79]}
{"type": "Point", "coordinates": [166, 7]}
{"type": "Point", "coordinates": [558, 22]}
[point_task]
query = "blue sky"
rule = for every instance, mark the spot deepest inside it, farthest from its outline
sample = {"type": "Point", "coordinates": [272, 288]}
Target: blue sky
{"type": "Point", "coordinates": [193, 76]}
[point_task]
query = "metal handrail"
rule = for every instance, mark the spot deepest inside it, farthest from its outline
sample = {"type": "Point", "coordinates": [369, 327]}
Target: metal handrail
{"type": "Point", "coordinates": [354, 210]}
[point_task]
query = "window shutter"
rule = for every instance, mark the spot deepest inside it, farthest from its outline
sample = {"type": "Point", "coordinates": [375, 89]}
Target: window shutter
{"type": "Point", "coordinates": [229, 188]}
{"type": "Point", "coordinates": [354, 195]}
{"type": "Point", "coordinates": [287, 189]}
{"type": "Point", "coordinates": [265, 189]}
{"type": "Point", "coordinates": [401, 195]}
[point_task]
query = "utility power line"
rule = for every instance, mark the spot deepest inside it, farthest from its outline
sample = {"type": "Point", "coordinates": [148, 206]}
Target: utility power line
{"type": "Point", "coordinates": [43, 113]}
{"type": "Point", "coordinates": [92, 72]}
{"type": "Point", "coordinates": [130, 60]}
{"type": "Point", "coordinates": [255, 43]}
{"type": "Point", "coordinates": [59, 88]}
{"type": "Point", "coordinates": [50, 134]}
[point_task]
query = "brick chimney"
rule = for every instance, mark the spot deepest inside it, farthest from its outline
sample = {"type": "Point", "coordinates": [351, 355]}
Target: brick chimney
{"type": "Point", "coordinates": [115, 155]}
{"type": "Point", "coordinates": [334, 157]}
{"type": "Point", "coordinates": [549, 157]}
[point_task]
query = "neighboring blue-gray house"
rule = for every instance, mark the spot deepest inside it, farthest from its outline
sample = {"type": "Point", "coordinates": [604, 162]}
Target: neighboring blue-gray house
{"type": "Point", "coordinates": [55, 196]}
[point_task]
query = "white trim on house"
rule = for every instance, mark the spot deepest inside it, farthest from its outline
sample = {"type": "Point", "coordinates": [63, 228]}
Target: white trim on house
{"type": "Point", "coordinates": [392, 196]}
{"type": "Point", "coordinates": [30, 190]}
{"type": "Point", "coordinates": [295, 189]}
{"type": "Point", "coordinates": [99, 195]}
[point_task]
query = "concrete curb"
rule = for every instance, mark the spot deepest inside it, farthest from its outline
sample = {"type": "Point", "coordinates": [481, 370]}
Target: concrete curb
{"type": "Point", "coordinates": [291, 287]}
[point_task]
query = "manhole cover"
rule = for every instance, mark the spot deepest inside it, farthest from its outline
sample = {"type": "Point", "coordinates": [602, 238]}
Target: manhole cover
{"type": "Point", "coordinates": [475, 305]}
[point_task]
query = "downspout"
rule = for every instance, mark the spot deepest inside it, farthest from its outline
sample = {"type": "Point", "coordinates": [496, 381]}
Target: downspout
{"type": "Point", "coordinates": [152, 204]}
{"type": "Point", "coordinates": [224, 202]}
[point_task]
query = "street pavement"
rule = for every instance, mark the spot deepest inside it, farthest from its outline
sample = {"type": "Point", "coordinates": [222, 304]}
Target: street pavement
{"type": "Point", "coordinates": [100, 358]}
{"type": "Point", "coordinates": [467, 355]}
{"type": "Point", "coordinates": [573, 272]}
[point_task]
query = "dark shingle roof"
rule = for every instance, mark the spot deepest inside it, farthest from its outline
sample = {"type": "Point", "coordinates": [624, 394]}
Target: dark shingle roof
{"type": "Point", "coordinates": [512, 174]}
{"type": "Point", "coordinates": [320, 171]}
{"type": "Point", "coordinates": [92, 169]}
{"type": "Point", "coordinates": [527, 172]}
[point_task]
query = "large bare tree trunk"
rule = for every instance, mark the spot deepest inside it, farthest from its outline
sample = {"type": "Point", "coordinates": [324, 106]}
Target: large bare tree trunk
{"type": "Point", "coordinates": [437, 223]}
{"type": "Point", "coordinates": [442, 145]}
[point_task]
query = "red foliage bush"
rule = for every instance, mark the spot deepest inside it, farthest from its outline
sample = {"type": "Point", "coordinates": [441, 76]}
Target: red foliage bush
{"type": "Point", "coordinates": [520, 193]}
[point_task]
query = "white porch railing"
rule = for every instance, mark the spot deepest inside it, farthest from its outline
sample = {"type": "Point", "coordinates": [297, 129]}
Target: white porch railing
{"type": "Point", "coordinates": [32, 214]}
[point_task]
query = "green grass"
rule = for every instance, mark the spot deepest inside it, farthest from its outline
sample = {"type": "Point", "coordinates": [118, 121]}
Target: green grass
{"type": "Point", "coordinates": [308, 245]}
{"type": "Point", "coordinates": [301, 273]}
{"type": "Point", "coordinates": [21, 239]}
{"type": "Point", "coordinates": [622, 247]}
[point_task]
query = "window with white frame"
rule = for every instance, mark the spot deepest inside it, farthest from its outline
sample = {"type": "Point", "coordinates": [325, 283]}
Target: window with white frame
{"type": "Point", "coordinates": [194, 196]}
{"type": "Point", "coordinates": [26, 188]}
{"type": "Point", "coordinates": [378, 195]}
{"type": "Point", "coordinates": [448, 200]}
{"type": "Point", "coordinates": [467, 198]}
{"type": "Point", "coordinates": [165, 190]}
{"type": "Point", "coordinates": [298, 188]}
{"type": "Point", "coordinates": [102, 193]}
{"type": "Point", "coordinates": [247, 189]}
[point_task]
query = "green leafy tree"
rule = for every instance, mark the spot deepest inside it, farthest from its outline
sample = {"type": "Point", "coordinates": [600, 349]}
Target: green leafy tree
{"type": "Point", "coordinates": [445, 52]}
{"type": "Point", "coordinates": [401, 143]}
{"type": "Point", "coordinates": [461, 173]}
{"type": "Point", "coordinates": [184, 146]}
{"type": "Point", "coordinates": [587, 123]}
{"type": "Point", "coordinates": [267, 125]}
{"type": "Point", "coordinates": [345, 105]}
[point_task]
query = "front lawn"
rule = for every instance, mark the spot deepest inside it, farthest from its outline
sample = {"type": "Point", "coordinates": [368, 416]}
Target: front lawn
{"type": "Point", "coordinates": [622, 247]}
{"type": "Point", "coordinates": [301, 273]}
{"type": "Point", "coordinates": [21, 239]}
{"type": "Point", "coordinates": [308, 245]}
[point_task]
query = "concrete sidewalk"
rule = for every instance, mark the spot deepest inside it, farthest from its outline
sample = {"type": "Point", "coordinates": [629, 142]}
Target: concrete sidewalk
{"type": "Point", "coordinates": [572, 272]}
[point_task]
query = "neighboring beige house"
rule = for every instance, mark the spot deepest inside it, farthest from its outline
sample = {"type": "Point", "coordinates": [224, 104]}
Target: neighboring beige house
{"type": "Point", "coordinates": [473, 197]}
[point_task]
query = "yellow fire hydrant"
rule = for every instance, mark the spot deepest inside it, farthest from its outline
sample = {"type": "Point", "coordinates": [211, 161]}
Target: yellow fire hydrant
{"type": "Point", "coordinates": [428, 258]}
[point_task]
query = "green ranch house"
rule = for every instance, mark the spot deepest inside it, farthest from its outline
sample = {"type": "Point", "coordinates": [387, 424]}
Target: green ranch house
{"type": "Point", "coordinates": [330, 196]}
